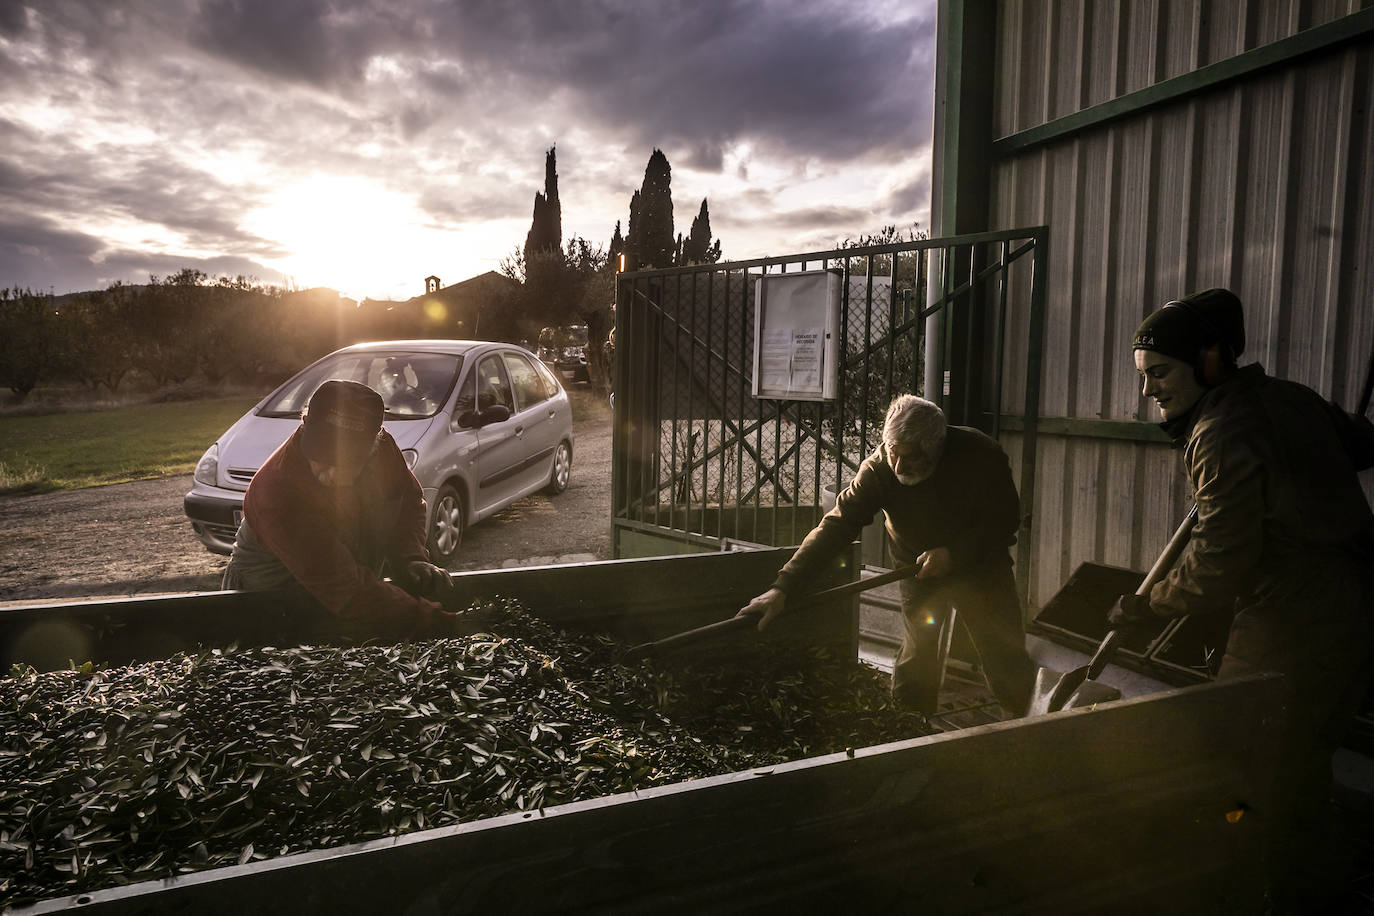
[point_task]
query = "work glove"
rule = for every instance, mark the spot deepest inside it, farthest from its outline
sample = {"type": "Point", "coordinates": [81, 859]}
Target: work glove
{"type": "Point", "coordinates": [1132, 612]}
{"type": "Point", "coordinates": [427, 581]}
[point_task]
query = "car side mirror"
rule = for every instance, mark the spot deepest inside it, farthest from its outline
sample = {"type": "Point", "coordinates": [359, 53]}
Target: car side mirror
{"type": "Point", "coordinates": [475, 419]}
{"type": "Point", "coordinates": [496, 413]}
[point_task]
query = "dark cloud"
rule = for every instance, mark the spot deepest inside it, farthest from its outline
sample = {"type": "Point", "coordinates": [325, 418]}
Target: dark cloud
{"type": "Point", "coordinates": [33, 254]}
{"type": "Point", "coordinates": [811, 217]}
{"type": "Point", "coordinates": [911, 197]}
{"type": "Point", "coordinates": [706, 157]}
{"type": "Point", "coordinates": [306, 40]}
{"type": "Point", "coordinates": [832, 82]}
{"type": "Point", "coordinates": [120, 110]}
{"type": "Point", "coordinates": [106, 181]}
{"type": "Point", "coordinates": [14, 18]}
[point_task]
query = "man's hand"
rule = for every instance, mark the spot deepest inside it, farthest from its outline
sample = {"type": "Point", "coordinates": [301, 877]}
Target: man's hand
{"type": "Point", "coordinates": [766, 606]}
{"type": "Point", "coordinates": [935, 563]}
{"type": "Point", "coordinates": [1132, 612]}
{"type": "Point", "coordinates": [427, 580]}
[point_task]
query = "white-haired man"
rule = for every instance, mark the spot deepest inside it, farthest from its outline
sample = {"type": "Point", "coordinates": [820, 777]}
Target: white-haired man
{"type": "Point", "coordinates": [950, 501]}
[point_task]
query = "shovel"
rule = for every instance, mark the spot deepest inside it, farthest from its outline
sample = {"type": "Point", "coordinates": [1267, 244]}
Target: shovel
{"type": "Point", "coordinates": [744, 622]}
{"type": "Point", "coordinates": [1054, 691]}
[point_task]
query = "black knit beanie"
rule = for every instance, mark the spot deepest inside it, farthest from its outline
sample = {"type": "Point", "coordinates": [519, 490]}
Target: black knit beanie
{"type": "Point", "coordinates": [341, 423]}
{"type": "Point", "coordinates": [1185, 327]}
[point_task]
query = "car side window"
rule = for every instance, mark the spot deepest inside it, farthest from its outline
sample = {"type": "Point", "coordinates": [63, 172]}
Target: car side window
{"type": "Point", "coordinates": [467, 395]}
{"type": "Point", "coordinates": [492, 386]}
{"type": "Point", "coordinates": [550, 383]}
{"type": "Point", "coordinates": [529, 389]}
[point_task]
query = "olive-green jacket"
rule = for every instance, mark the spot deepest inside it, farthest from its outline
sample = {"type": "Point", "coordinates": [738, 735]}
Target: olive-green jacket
{"type": "Point", "coordinates": [1273, 467]}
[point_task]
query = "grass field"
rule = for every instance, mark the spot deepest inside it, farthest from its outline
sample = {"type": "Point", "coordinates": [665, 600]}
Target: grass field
{"type": "Point", "coordinates": [66, 451]}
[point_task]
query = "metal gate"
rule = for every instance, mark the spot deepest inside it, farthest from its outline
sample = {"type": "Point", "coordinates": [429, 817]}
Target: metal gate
{"type": "Point", "coordinates": [699, 462]}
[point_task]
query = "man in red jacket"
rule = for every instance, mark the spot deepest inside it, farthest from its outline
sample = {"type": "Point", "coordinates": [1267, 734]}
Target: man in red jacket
{"type": "Point", "coordinates": [328, 509]}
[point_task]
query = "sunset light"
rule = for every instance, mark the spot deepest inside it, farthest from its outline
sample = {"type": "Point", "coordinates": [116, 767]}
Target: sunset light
{"type": "Point", "coordinates": [351, 234]}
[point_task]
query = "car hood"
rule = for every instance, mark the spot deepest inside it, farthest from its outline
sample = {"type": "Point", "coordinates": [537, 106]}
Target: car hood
{"type": "Point", "coordinates": [249, 442]}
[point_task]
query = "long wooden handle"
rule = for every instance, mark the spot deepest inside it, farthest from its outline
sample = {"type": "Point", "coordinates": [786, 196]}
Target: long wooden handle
{"type": "Point", "coordinates": [859, 585]}
{"type": "Point", "coordinates": [1167, 558]}
{"type": "Point", "coordinates": [1171, 553]}
{"type": "Point", "coordinates": [748, 620]}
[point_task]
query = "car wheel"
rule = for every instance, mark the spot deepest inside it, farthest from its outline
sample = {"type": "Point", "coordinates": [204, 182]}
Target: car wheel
{"type": "Point", "coordinates": [446, 531]}
{"type": "Point", "coordinates": [562, 469]}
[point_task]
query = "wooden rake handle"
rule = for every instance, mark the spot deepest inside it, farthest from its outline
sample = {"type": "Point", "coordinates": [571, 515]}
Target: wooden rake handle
{"type": "Point", "coordinates": [740, 622]}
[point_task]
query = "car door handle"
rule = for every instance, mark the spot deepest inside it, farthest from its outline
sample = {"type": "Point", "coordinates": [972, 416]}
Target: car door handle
{"type": "Point", "coordinates": [519, 431]}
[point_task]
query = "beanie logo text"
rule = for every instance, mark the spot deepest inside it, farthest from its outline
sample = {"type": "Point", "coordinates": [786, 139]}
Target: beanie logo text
{"type": "Point", "coordinates": [353, 424]}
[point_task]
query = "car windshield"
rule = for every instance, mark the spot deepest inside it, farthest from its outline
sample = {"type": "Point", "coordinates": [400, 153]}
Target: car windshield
{"type": "Point", "coordinates": [567, 336]}
{"type": "Point", "coordinates": [412, 385]}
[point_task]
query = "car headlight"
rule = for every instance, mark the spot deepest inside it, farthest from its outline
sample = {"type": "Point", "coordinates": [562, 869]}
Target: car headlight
{"type": "Point", "coordinates": [411, 456]}
{"type": "Point", "coordinates": [207, 468]}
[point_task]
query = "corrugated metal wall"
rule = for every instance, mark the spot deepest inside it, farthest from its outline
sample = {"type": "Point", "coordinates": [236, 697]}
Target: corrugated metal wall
{"type": "Point", "coordinates": [1263, 185]}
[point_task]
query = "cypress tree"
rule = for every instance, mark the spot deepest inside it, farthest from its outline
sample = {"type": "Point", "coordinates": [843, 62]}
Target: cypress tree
{"type": "Point", "coordinates": [546, 229]}
{"type": "Point", "coordinates": [651, 239]}
{"type": "Point", "coordinates": [699, 247]}
{"type": "Point", "coordinates": [632, 260]}
{"type": "Point", "coordinates": [617, 247]}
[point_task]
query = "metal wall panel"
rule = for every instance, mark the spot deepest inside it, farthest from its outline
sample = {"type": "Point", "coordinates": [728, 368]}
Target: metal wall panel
{"type": "Point", "coordinates": [1262, 185]}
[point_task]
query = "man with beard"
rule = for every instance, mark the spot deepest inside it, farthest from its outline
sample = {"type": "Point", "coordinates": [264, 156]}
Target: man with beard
{"type": "Point", "coordinates": [950, 502]}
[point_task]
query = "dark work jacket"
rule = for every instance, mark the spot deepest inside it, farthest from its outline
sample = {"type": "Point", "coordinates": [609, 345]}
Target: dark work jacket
{"type": "Point", "coordinates": [333, 541]}
{"type": "Point", "coordinates": [1284, 536]}
{"type": "Point", "coordinates": [969, 505]}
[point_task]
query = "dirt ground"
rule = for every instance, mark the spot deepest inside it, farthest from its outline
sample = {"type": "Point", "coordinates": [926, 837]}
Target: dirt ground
{"type": "Point", "coordinates": [133, 538]}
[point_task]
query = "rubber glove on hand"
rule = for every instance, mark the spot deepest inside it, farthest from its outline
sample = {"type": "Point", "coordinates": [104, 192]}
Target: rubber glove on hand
{"type": "Point", "coordinates": [1132, 612]}
{"type": "Point", "coordinates": [427, 580]}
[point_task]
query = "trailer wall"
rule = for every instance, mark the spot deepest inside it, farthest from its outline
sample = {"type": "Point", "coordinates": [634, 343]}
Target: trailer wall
{"type": "Point", "coordinates": [1151, 805]}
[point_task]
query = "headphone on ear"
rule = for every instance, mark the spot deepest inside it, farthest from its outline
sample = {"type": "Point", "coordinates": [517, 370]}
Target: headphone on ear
{"type": "Point", "coordinates": [1213, 361]}
{"type": "Point", "coordinates": [1208, 368]}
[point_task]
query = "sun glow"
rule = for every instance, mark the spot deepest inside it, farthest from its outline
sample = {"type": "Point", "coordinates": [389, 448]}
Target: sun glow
{"type": "Point", "coordinates": [353, 235]}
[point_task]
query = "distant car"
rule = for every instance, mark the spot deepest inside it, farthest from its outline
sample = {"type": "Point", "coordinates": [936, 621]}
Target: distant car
{"type": "Point", "coordinates": [481, 425]}
{"type": "Point", "coordinates": [564, 349]}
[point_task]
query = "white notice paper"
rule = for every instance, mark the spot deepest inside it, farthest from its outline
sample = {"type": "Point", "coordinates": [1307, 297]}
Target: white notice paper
{"type": "Point", "coordinates": [775, 361]}
{"type": "Point", "coordinates": [806, 359]}
{"type": "Point", "coordinates": [791, 359]}
{"type": "Point", "coordinates": [796, 335]}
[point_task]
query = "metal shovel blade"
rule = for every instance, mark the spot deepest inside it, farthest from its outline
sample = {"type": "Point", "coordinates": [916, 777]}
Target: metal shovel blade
{"type": "Point", "coordinates": [1054, 691]}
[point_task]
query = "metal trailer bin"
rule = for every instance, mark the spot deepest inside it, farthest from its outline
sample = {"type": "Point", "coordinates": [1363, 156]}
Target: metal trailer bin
{"type": "Point", "coordinates": [1146, 804]}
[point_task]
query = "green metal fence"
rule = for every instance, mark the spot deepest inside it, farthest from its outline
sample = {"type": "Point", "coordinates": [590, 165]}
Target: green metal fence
{"type": "Point", "coordinates": [699, 462]}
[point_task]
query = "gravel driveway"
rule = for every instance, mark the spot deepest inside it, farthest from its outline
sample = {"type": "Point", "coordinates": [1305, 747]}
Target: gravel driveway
{"type": "Point", "coordinates": [133, 538]}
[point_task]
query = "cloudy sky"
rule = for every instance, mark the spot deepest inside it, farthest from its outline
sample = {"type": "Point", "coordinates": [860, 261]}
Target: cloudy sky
{"type": "Point", "coordinates": [365, 144]}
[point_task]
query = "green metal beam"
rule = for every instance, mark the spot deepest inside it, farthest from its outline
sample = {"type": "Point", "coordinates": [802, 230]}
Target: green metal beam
{"type": "Point", "coordinates": [965, 42]}
{"type": "Point", "coordinates": [1285, 51]}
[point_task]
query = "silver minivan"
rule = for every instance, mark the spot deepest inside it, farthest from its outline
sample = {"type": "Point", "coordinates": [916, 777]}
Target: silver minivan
{"type": "Point", "coordinates": [481, 425]}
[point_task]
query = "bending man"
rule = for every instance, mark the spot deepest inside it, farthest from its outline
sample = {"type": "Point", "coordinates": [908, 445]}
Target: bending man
{"type": "Point", "coordinates": [950, 502]}
{"type": "Point", "coordinates": [328, 509]}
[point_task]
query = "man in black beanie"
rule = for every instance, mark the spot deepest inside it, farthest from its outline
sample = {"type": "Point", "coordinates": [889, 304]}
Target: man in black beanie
{"type": "Point", "coordinates": [329, 509]}
{"type": "Point", "coordinates": [1284, 541]}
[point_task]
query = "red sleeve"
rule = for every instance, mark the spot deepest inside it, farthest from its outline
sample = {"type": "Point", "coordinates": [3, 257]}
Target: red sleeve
{"type": "Point", "coordinates": [408, 536]}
